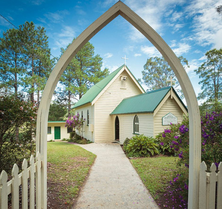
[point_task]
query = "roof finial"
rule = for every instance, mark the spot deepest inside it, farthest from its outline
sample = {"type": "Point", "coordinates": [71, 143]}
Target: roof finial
{"type": "Point", "coordinates": [125, 59]}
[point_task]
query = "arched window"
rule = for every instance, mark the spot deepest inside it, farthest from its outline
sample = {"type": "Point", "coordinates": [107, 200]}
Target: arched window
{"type": "Point", "coordinates": [136, 125]}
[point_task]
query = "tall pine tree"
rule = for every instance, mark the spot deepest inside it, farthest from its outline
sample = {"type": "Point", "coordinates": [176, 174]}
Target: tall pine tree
{"type": "Point", "coordinates": [83, 71]}
{"type": "Point", "coordinates": [37, 58]}
{"type": "Point", "coordinates": [11, 61]}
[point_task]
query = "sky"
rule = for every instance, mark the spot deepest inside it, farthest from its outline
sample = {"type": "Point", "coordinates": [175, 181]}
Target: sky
{"type": "Point", "coordinates": [189, 27]}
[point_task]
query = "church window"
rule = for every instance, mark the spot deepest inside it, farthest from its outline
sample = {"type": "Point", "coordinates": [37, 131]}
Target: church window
{"type": "Point", "coordinates": [87, 117]}
{"type": "Point", "coordinates": [136, 125]}
{"type": "Point", "coordinates": [49, 130]}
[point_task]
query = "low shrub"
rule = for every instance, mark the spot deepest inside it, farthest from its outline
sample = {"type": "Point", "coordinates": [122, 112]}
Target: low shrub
{"type": "Point", "coordinates": [141, 146]}
{"type": "Point", "coordinates": [125, 143]}
{"type": "Point", "coordinates": [78, 139]}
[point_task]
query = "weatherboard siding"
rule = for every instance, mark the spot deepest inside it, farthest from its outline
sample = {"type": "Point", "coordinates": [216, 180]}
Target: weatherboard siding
{"type": "Point", "coordinates": [87, 133]}
{"type": "Point", "coordinates": [107, 102]}
{"type": "Point", "coordinates": [126, 125]}
{"type": "Point", "coordinates": [170, 106]}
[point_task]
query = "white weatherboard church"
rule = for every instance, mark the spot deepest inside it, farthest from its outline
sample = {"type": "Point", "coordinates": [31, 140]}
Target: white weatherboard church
{"type": "Point", "coordinates": [117, 107]}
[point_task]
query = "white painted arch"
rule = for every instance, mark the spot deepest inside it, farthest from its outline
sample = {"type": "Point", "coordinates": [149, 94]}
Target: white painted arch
{"type": "Point", "coordinates": [194, 117]}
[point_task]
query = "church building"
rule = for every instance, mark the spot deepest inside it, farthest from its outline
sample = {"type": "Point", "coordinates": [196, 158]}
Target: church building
{"type": "Point", "coordinates": [117, 108]}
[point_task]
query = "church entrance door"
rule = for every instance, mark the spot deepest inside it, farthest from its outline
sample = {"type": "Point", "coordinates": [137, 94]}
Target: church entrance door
{"type": "Point", "coordinates": [117, 128]}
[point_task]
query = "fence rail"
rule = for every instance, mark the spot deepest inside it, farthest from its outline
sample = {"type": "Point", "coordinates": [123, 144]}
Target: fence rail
{"type": "Point", "coordinates": [30, 181]}
{"type": "Point", "coordinates": [210, 187]}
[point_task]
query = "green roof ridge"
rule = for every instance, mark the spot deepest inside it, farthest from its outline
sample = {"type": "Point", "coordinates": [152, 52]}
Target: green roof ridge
{"type": "Point", "coordinates": [91, 94]}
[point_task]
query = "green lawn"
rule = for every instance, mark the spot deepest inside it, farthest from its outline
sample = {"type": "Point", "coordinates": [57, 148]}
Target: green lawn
{"type": "Point", "coordinates": [68, 166]}
{"type": "Point", "coordinates": [155, 172]}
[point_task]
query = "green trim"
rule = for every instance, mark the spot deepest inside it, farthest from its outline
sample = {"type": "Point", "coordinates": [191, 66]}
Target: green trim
{"type": "Point", "coordinates": [136, 134]}
{"type": "Point", "coordinates": [94, 91]}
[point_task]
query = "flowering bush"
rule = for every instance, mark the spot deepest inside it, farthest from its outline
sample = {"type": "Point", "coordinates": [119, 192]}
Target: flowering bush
{"type": "Point", "coordinates": [171, 139]}
{"type": "Point", "coordinates": [76, 122]}
{"type": "Point", "coordinates": [178, 140]}
{"type": "Point", "coordinates": [17, 128]}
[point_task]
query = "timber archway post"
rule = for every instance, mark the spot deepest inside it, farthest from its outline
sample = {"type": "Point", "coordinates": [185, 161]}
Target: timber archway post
{"type": "Point", "coordinates": [194, 116]}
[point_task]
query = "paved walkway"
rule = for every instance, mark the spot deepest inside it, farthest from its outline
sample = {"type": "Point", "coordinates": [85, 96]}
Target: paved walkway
{"type": "Point", "coordinates": [113, 183]}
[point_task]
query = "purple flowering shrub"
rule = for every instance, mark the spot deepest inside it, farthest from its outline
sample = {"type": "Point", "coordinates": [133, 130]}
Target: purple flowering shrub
{"type": "Point", "coordinates": [211, 130]}
{"type": "Point", "coordinates": [177, 137]}
{"type": "Point", "coordinates": [171, 139]}
{"type": "Point", "coordinates": [76, 123]}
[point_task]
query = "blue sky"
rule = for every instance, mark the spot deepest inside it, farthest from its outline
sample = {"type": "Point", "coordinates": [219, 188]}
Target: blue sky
{"type": "Point", "coordinates": [189, 27]}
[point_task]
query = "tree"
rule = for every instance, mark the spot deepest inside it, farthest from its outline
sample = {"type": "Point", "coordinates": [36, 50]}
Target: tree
{"type": "Point", "coordinates": [83, 71]}
{"type": "Point", "coordinates": [57, 111]}
{"type": "Point", "coordinates": [11, 63]}
{"type": "Point", "coordinates": [210, 73]}
{"type": "Point", "coordinates": [157, 73]}
{"type": "Point", "coordinates": [36, 58]}
{"type": "Point", "coordinates": [219, 9]}
{"type": "Point", "coordinates": [16, 112]}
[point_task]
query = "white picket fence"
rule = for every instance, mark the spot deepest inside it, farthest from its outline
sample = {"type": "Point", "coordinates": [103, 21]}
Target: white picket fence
{"type": "Point", "coordinates": [30, 181]}
{"type": "Point", "coordinates": [210, 188]}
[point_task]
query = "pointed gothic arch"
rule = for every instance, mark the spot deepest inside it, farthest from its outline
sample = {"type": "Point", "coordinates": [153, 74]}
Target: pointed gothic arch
{"type": "Point", "coordinates": [194, 117]}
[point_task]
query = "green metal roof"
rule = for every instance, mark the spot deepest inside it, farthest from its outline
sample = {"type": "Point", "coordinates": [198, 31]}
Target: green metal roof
{"type": "Point", "coordinates": [142, 103]}
{"type": "Point", "coordinates": [92, 93]}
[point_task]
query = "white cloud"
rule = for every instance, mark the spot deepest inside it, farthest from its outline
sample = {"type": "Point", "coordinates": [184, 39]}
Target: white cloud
{"type": "Point", "coordinates": [67, 32]}
{"type": "Point", "coordinates": [182, 49]}
{"type": "Point", "coordinates": [151, 51]}
{"type": "Point", "coordinates": [108, 55]}
{"type": "Point", "coordinates": [137, 55]}
{"type": "Point", "coordinates": [37, 2]}
{"type": "Point", "coordinates": [56, 17]}
{"type": "Point", "coordinates": [152, 12]}
{"type": "Point", "coordinates": [176, 16]}
{"type": "Point", "coordinates": [194, 64]}
{"type": "Point", "coordinates": [202, 58]}
{"type": "Point", "coordinates": [207, 25]}
{"type": "Point", "coordinates": [65, 37]}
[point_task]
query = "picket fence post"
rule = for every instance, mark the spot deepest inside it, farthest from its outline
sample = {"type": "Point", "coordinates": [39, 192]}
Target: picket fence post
{"type": "Point", "coordinates": [203, 186]}
{"type": "Point", "coordinates": [3, 190]}
{"type": "Point", "coordinates": [38, 181]}
{"type": "Point", "coordinates": [24, 184]}
{"type": "Point", "coordinates": [219, 187]}
{"type": "Point", "coordinates": [212, 186]}
{"type": "Point", "coordinates": [31, 181]}
{"type": "Point", "coordinates": [15, 187]}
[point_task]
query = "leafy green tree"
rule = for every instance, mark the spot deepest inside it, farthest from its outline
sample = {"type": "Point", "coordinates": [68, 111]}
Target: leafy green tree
{"type": "Point", "coordinates": [210, 73]}
{"type": "Point", "coordinates": [83, 71]}
{"type": "Point", "coordinates": [11, 62]}
{"type": "Point", "coordinates": [15, 113]}
{"type": "Point", "coordinates": [36, 58]}
{"type": "Point", "coordinates": [157, 72]}
{"type": "Point", "coordinates": [57, 111]}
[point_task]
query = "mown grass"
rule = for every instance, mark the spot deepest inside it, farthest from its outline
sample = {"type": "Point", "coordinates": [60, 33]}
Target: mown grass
{"type": "Point", "coordinates": [155, 172]}
{"type": "Point", "coordinates": [68, 166]}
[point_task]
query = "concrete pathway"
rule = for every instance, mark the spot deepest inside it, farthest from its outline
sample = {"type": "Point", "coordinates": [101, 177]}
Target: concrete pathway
{"type": "Point", "coordinates": [113, 183]}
